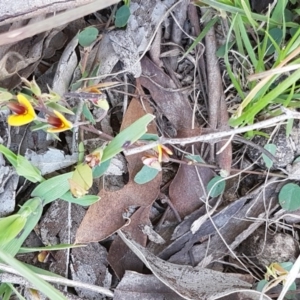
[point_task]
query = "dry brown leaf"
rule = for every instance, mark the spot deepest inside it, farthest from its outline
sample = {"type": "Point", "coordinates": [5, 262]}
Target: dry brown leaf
{"type": "Point", "coordinates": [120, 257]}
{"type": "Point", "coordinates": [106, 216]}
{"type": "Point", "coordinates": [174, 105]}
{"type": "Point", "coordinates": [191, 283]}
{"type": "Point", "coordinates": [186, 191]}
{"type": "Point", "coordinates": [135, 286]}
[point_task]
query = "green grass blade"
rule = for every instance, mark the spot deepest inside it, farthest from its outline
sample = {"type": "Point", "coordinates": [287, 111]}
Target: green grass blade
{"type": "Point", "coordinates": [199, 38]}
{"type": "Point", "coordinates": [238, 38]}
{"type": "Point", "coordinates": [246, 41]}
{"type": "Point", "coordinates": [267, 99]}
{"type": "Point", "coordinates": [227, 63]}
{"type": "Point", "coordinates": [39, 283]}
{"type": "Point", "coordinates": [235, 10]}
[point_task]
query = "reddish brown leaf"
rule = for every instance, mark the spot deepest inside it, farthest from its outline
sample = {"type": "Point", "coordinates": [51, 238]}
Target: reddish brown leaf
{"type": "Point", "coordinates": [120, 257]}
{"type": "Point", "coordinates": [186, 191]}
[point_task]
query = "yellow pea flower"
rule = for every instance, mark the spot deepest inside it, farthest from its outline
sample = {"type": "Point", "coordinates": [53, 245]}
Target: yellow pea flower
{"type": "Point", "coordinates": [160, 154]}
{"type": "Point", "coordinates": [23, 112]}
{"type": "Point", "coordinates": [163, 153]}
{"type": "Point", "coordinates": [58, 122]}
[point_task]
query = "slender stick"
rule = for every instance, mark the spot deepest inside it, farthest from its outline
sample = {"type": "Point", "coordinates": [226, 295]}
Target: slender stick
{"type": "Point", "coordinates": [63, 281]}
{"type": "Point", "coordinates": [213, 137]}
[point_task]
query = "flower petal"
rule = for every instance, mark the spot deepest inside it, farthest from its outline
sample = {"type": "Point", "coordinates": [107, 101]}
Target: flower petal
{"type": "Point", "coordinates": [160, 151]}
{"type": "Point", "coordinates": [152, 162]}
{"type": "Point", "coordinates": [65, 124]}
{"type": "Point", "coordinates": [24, 101]}
{"type": "Point", "coordinates": [19, 120]}
{"type": "Point", "coordinates": [166, 150]}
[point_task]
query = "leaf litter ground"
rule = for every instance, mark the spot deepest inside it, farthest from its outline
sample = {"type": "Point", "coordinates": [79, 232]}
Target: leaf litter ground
{"type": "Point", "coordinates": [166, 238]}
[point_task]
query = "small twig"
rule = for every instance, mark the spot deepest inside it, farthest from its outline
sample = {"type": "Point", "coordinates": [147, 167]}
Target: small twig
{"type": "Point", "coordinates": [125, 98]}
{"type": "Point", "coordinates": [216, 136]}
{"type": "Point", "coordinates": [63, 281]}
{"type": "Point", "coordinates": [102, 135]}
{"type": "Point", "coordinates": [76, 129]}
{"type": "Point", "coordinates": [15, 279]}
{"type": "Point", "coordinates": [68, 241]}
{"type": "Point", "coordinates": [165, 198]}
{"type": "Point", "coordinates": [231, 170]}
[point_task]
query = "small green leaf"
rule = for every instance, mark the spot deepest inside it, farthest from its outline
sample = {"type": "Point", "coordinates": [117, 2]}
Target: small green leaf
{"type": "Point", "coordinates": [98, 171]}
{"type": "Point", "coordinates": [5, 291]}
{"type": "Point", "coordinates": [5, 95]}
{"type": "Point", "coordinates": [81, 180]}
{"type": "Point", "coordinates": [39, 126]}
{"type": "Point", "coordinates": [286, 265]}
{"type": "Point", "coordinates": [22, 165]}
{"type": "Point", "coordinates": [277, 35]}
{"type": "Point", "coordinates": [292, 287]}
{"type": "Point", "coordinates": [272, 149]}
{"type": "Point", "coordinates": [60, 108]}
{"type": "Point", "coordinates": [53, 188]}
{"type": "Point", "coordinates": [10, 156]}
{"type": "Point", "coordinates": [145, 175]}
{"type": "Point", "coordinates": [289, 198]}
{"type": "Point", "coordinates": [289, 127]}
{"type": "Point", "coordinates": [196, 158]}
{"type": "Point", "coordinates": [122, 16]}
{"type": "Point", "coordinates": [201, 36]}
{"type": "Point", "coordinates": [149, 137]}
{"type": "Point", "coordinates": [127, 137]}
{"type": "Point", "coordinates": [261, 284]}
{"type": "Point", "coordinates": [221, 51]}
{"type": "Point", "coordinates": [87, 36]}
{"type": "Point", "coordinates": [85, 200]}
{"type": "Point", "coordinates": [216, 186]}
{"type": "Point", "coordinates": [86, 112]}
{"type": "Point", "coordinates": [81, 152]}
{"type": "Point", "coordinates": [11, 226]}
{"type": "Point", "coordinates": [26, 169]}
{"type": "Point", "coordinates": [83, 176]}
